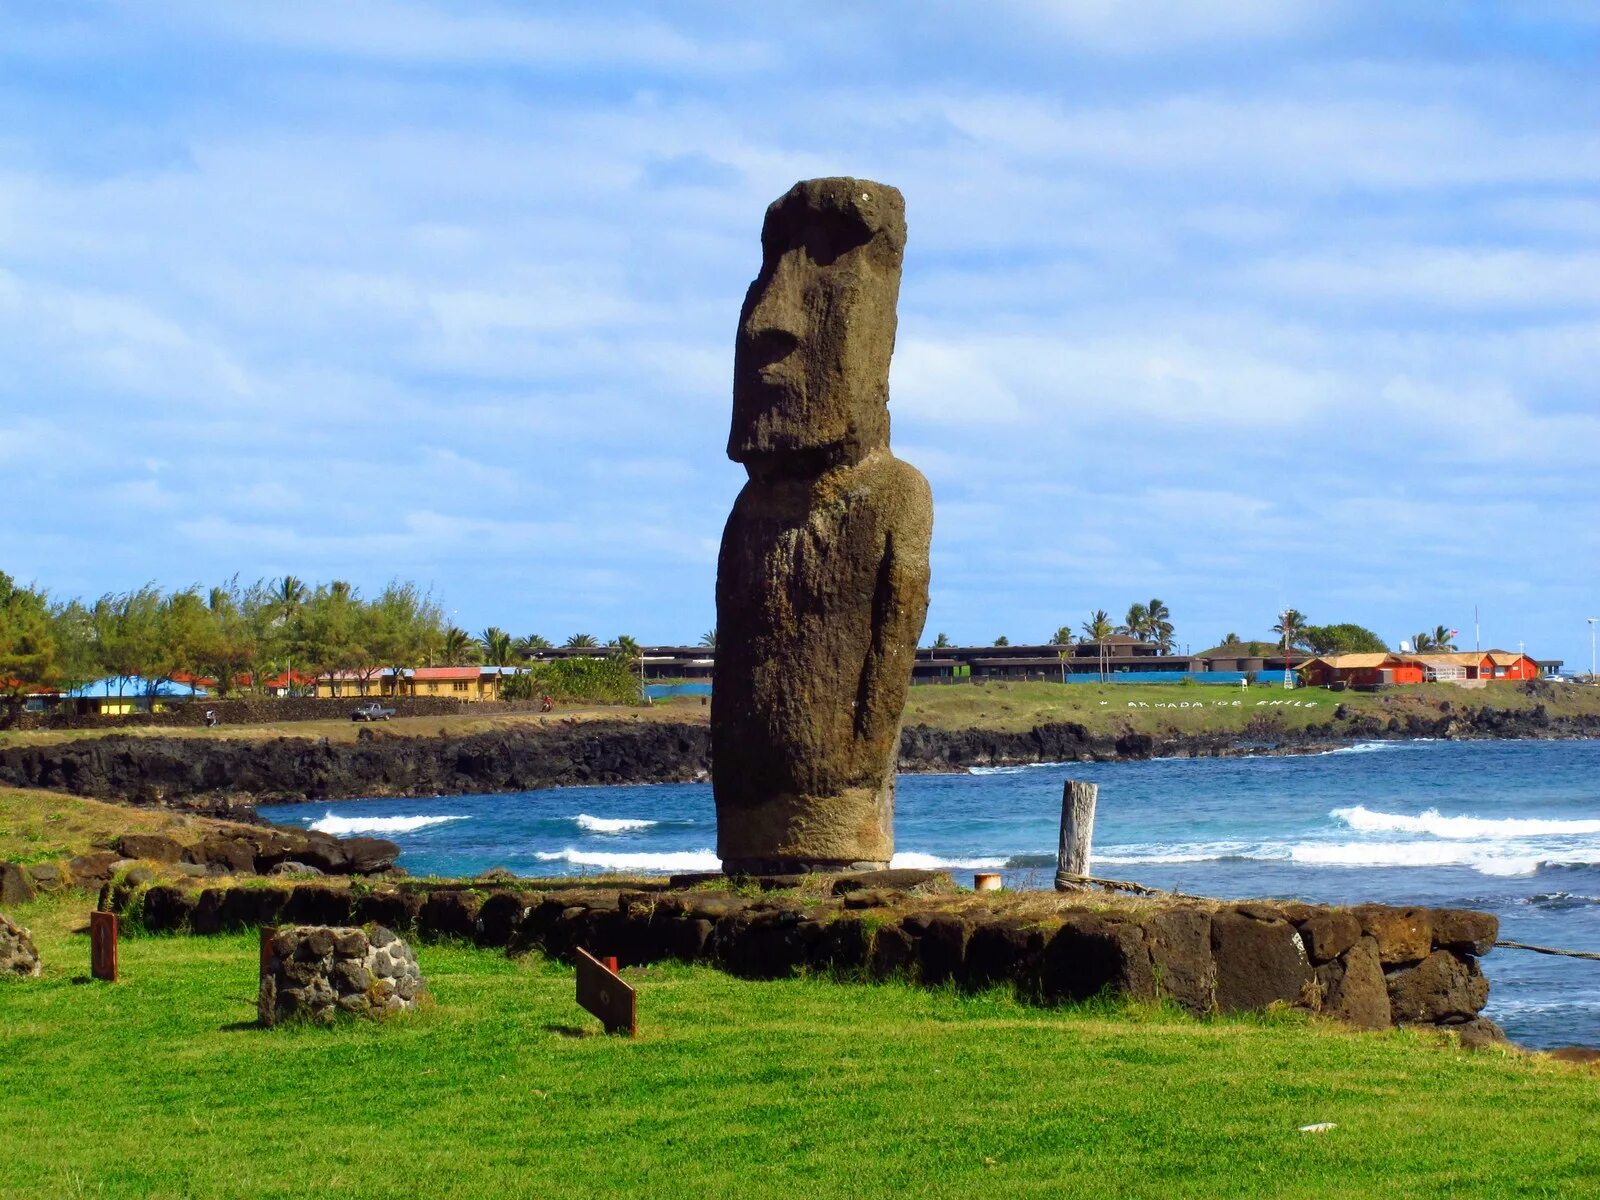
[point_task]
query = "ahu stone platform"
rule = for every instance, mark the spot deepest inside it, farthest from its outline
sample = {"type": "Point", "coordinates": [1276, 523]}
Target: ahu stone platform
{"type": "Point", "coordinates": [1370, 966]}
{"type": "Point", "coordinates": [18, 956]}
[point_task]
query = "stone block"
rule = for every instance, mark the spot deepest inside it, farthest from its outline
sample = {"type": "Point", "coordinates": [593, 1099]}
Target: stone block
{"type": "Point", "coordinates": [207, 916]}
{"type": "Point", "coordinates": [1441, 989]}
{"type": "Point", "coordinates": [49, 877]}
{"type": "Point", "coordinates": [912, 881]}
{"type": "Point", "coordinates": [1258, 962]}
{"type": "Point", "coordinates": [1094, 953]}
{"type": "Point", "coordinates": [16, 885]}
{"type": "Point", "coordinates": [316, 973]}
{"type": "Point", "coordinates": [770, 944]}
{"type": "Point", "coordinates": [1005, 950]}
{"type": "Point", "coordinates": [94, 868]}
{"type": "Point", "coordinates": [845, 945]}
{"type": "Point", "coordinates": [315, 904]}
{"type": "Point", "coordinates": [167, 909]}
{"type": "Point", "coordinates": [500, 917]}
{"type": "Point", "coordinates": [1179, 941]}
{"type": "Point", "coordinates": [1404, 935]}
{"type": "Point", "coordinates": [19, 957]}
{"type": "Point", "coordinates": [942, 949]}
{"type": "Point", "coordinates": [1353, 987]}
{"type": "Point", "coordinates": [894, 952]}
{"type": "Point", "coordinates": [221, 855]}
{"type": "Point", "coordinates": [449, 914]}
{"type": "Point", "coordinates": [368, 855]}
{"type": "Point", "coordinates": [151, 847]}
{"type": "Point", "coordinates": [1480, 1033]}
{"type": "Point", "coordinates": [1328, 933]}
{"type": "Point", "coordinates": [1463, 931]}
{"type": "Point", "coordinates": [390, 907]}
{"type": "Point", "coordinates": [252, 907]}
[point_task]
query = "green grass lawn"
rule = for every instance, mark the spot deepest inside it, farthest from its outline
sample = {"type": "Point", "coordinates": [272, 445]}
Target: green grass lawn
{"type": "Point", "coordinates": [160, 1086]}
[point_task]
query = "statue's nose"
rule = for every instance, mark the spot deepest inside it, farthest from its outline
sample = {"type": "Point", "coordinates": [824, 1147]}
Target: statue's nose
{"type": "Point", "coordinates": [778, 314]}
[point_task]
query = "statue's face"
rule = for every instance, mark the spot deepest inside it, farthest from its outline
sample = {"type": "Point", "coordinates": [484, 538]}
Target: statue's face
{"type": "Point", "coordinates": [811, 364]}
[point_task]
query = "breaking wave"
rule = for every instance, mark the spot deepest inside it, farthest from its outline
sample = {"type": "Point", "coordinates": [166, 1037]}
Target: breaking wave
{"type": "Point", "coordinates": [1015, 769]}
{"type": "Point", "coordinates": [611, 824]}
{"type": "Point", "coordinates": [1433, 822]}
{"type": "Point", "coordinates": [345, 826]}
{"type": "Point", "coordinates": [666, 860]}
{"type": "Point", "coordinates": [1363, 748]}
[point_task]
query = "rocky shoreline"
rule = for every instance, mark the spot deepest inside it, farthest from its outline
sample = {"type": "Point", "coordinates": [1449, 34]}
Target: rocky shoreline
{"type": "Point", "coordinates": [229, 777]}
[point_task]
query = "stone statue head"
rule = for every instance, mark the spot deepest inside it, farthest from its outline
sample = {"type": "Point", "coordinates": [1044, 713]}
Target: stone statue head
{"type": "Point", "coordinates": [811, 365]}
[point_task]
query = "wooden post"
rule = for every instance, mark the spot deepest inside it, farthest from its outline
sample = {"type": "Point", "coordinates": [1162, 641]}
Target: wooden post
{"type": "Point", "coordinates": [103, 946]}
{"type": "Point", "coordinates": [1077, 831]}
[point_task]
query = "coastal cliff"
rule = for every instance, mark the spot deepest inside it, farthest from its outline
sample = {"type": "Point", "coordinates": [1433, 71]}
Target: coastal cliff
{"type": "Point", "coordinates": [223, 776]}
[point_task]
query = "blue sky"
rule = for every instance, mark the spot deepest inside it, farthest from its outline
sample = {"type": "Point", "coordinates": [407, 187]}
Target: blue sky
{"type": "Point", "coordinates": [1241, 305]}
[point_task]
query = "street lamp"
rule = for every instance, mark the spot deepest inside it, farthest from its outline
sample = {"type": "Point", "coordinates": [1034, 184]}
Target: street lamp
{"type": "Point", "coordinates": [1591, 621]}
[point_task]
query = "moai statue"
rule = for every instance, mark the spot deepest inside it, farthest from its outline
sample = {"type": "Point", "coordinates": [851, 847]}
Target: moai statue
{"type": "Point", "coordinates": [822, 583]}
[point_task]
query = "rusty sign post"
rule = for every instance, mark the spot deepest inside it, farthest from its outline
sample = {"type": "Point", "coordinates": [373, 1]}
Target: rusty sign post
{"type": "Point", "coordinates": [602, 992]}
{"type": "Point", "coordinates": [103, 946]}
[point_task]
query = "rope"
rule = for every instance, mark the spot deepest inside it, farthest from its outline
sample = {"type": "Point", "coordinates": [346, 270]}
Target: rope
{"type": "Point", "coordinates": [1068, 883]}
{"type": "Point", "coordinates": [1549, 950]}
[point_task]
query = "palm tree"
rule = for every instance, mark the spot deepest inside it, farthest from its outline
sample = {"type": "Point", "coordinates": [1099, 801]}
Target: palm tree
{"type": "Point", "coordinates": [1002, 640]}
{"type": "Point", "coordinates": [709, 638]}
{"type": "Point", "coordinates": [341, 589]}
{"type": "Point", "coordinates": [532, 641]}
{"type": "Point", "coordinates": [1422, 642]}
{"type": "Point", "coordinates": [290, 593]}
{"type": "Point", "coordinates": [579, 640]}
{"type": "Point", "coordinates": [1158, 625]}
{"type": "Point", "coordinates": [457, 647]}
{"type": "Point", "coordinates": [627, 645]}
{"type": "Point", "coordinates": [942, 642]}
{"type": "Point", "coordinates": [1443, 639]}
{"type": "Point", "coordinates": [1136, 623]}
{"type": "Point", "coordinates": [1291, 624]}
{"type": "Point", "coordinates": [1232, 639]}
{"type": "Point", "coordinates": [495, 645]}
{"type": "Point", "coordinates": [1062, 636]}
{"type": "Point", "coordinates": [1097, 629]}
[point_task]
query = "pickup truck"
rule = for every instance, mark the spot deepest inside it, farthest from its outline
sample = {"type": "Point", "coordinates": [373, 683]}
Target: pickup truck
{"type": "Point", "coordinates": [372, 711]}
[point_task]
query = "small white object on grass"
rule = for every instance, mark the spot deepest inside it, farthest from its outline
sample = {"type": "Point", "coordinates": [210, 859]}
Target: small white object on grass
{"type": "Point", "coordinates": [1319, 1127]}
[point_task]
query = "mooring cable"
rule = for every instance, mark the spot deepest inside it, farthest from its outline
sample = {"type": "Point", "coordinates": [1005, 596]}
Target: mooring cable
{"type": "Point", "coordinates": [1548, 950]}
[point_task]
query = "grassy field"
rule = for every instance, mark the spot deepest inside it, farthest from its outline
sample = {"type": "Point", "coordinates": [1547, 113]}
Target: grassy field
{"type": "Point", "coordinates": [1102, 708]}
{"type": "Point", "coordinates": [160, 1086]}
{"type": "Point", "coordinates": [40, 826]}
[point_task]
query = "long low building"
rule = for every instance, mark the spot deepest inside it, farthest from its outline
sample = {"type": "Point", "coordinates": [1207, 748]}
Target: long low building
{"type": "Point", "coordinates": [1469, 667]}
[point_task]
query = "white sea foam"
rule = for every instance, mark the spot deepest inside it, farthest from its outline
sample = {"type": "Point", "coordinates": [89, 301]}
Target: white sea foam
{"type": "Point", "coordinates": [1191, 852]}
{"type": "Point", "coordinates": [930, 862]}
{"type": "Point", "coordinates": [1481, 858]}
{"type": "Point", "coordinates": [1433, 822]}
{"type": "Point", "coordinates": [1363, 748]}
{"type": "Point", "coordinates": [611, 824]}
{"type": "Point", "coordinates": [666, 860]}
{"type": "Point", "coordinates": [345, 826]}
{"type": "Point", "coordinates": [1015, 769]}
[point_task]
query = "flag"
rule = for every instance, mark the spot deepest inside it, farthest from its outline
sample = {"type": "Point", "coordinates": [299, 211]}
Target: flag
{"type": "Point", "coordinates": [1453, 632]}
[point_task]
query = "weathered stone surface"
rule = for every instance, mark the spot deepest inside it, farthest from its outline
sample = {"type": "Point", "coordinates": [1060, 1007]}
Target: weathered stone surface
{"type": "Point", "coordinates": [822, 581]}
{"type": "Point", "coordinates": [1465, 931]}
{"type": "Point", "coordinates": [845, 945]}
{"type": "Point", "coordinates": [1441, 989]}
{"type": "Point", "coordinates": [1404, 935]}
{"type": "Point", "coordinates": [251, 907]}
{"type": "Point", "coordinates": [316, 973]}
{"type": "Point", "coordinates": [18, 955]}
{"type": "Point", "coordinates": [1328, 933]}
{"type": "Point", "coordinates": [943, 949]}
{"type": "Point", "coordinates": [316, 904]}
{"type": "Point", "coordinates": [221, 856]}
{"type": "Point", "coordinates": [48, 877]}
{"type": "Point", "coordinates": [16, 885]}
{"type": "Point", "coordinates": [766, 945]}
{"type": "Point", "coordinates": [388, 907]}
{"type": "Point", "coordinates": [449, 914]}
{"type": "Point", "coordinates": [1093, 953]}
{"type": "Point", "coordinates": [905, 880]}
{"type": "Point", "coordinates": [500, 916]}
{"type": "Point", "coordinates": [1006, 950]}
{"type": "Point", "coordinates": [1258, 962]}
{"type": "Point", "coordinates": [1353, 987]}
{"type": "Point", "coordinates": [167, 909]}
{"type": "Point", "coordinates": [1480, 1033]}
{"type": "Point", "coordinates": [151, 847]}
{"type": "Point", "coordinates": [894, 951]}
{"type": "Point", "coordinates": [1179, 941]}
{"type": "Point", "coordinates": [94, 868]}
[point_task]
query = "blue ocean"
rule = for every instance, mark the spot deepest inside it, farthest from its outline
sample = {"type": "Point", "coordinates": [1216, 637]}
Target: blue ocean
{"type": "Point", "coordinates": [1511, 827]}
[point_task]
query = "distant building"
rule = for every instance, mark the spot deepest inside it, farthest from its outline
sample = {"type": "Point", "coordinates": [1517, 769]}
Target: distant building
{"type": "Point", "coordinates": [1468, 668]}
